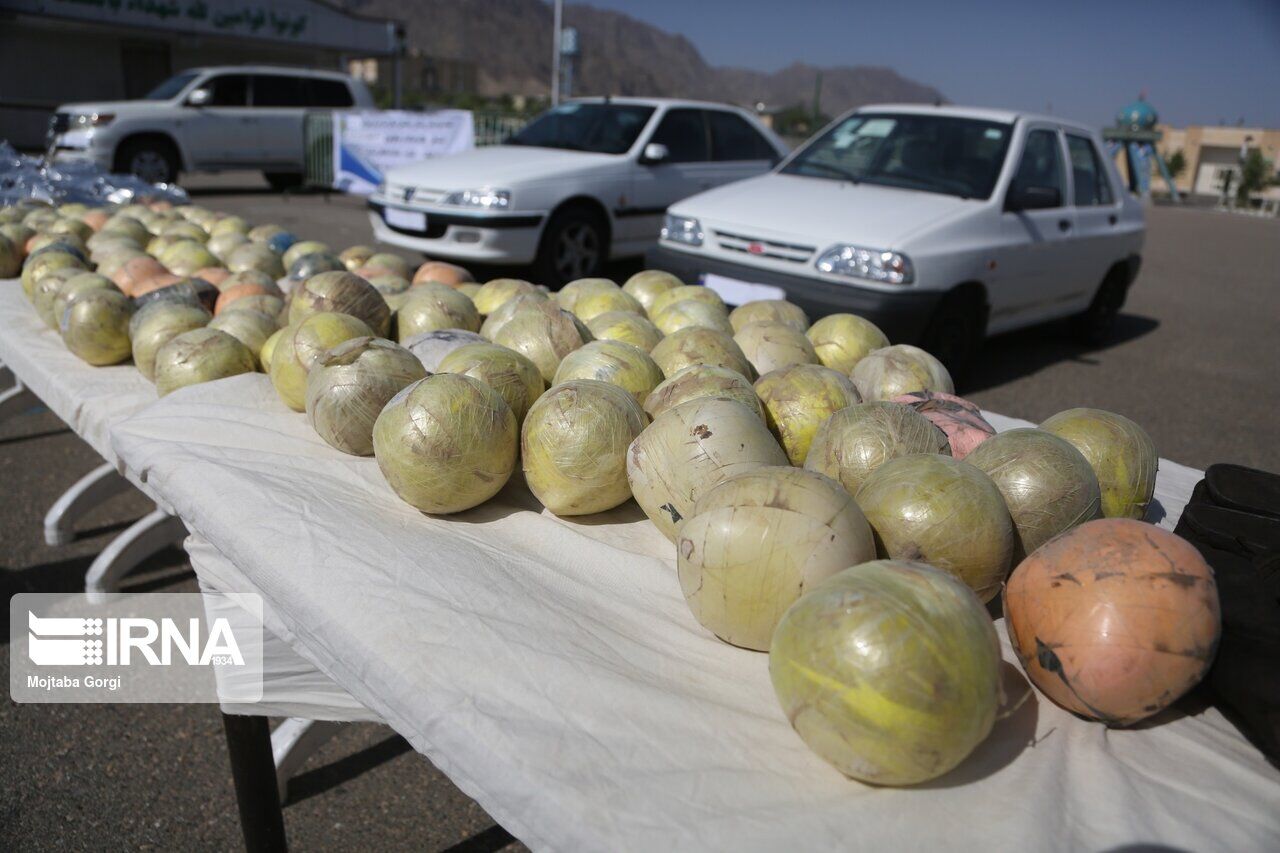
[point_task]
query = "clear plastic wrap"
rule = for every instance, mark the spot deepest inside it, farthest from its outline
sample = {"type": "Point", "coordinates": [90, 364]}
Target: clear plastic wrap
{"type": "Point", "coordinates": [1120, 452]}
{"type": "Point", "coordinates": [156, 324]}
{"type": "Point", "coordinates": [264, 231]}
{"type": "Point", "coordinates": [696, 292]}
{"type": "Point", "coordinates": [38, 266]}
{"type": "Point", "coordinates": [890, 671]}
{"type": "Point", "coordinates": [390, 264]}
{"type": "Point", "coordinates": [95, 327]}
{"type": "Point", "coordinates": [574, 446]}
{"type": "Point", "coordinates": [937, 510]}
{"type": "Point", "coordinates": [255, 256]}
{"type": "Point", "coordinates": [647, 284]}
{"type": "Point", "coordinates": [313, 263]}
{"type": "Point", "coordinates": [193, 291]}
{"type": "Point", "coordinates": [543, 333]}
{"type": "Point", "coordinates": [1047, 484]}
{"type": "Point", "coordinates": [634, 329]}
{"type": "Point", "coordinates": [344, 293]}
{"type": "Point", "coordinates": [431, 307]}
{"type": "Point", "coordinates": [690, 314]}
{"type": "Point", "coordinates": [702, 380]}
{"type": "Point", "coordinates": [249, 327]}
{"type": "Point", "coordinates": [302, 344]}
{"type": "Point", "coordinates": [389, 285]}
{"type": "Point", "coordinates": [200, 355]}
{"type": "Point", "coordinates": [769, 311]}
{"type": "Point", "coordinates": [691, 448]}
{"type": "Point", "coordinates": [591, 305]}
{"type": "Point", "coordinates": [700, 346]}
{"type": "Point", "coordinates": [302, 248]}
{"type": "Point", "coordinates": [757, 541]}
{"type": "Point", "coordinates": [842, 340]}
{"type": "Point", "coordinates": [1114, 620]}
{"type": "Point", "coordinates": [46, 291]}
{"type": "Point", "coordinates": [493, 294]}
{"type": "Point", "coordinates": [441, 273]}
{"type": "Point", "coordinates": [502, 315]}
{"type": "Point", "coordinates": [900, 369]}
{"type": "Point", "coordinates": [230, 225]}
{"type": "Point", "coordinates": [626, 366]}
{"type": "Point", "coordinates": [798, 399]}
{"type": "Point", "coordinates": [514, 377]}
{"type": "Point", "coordinates": [961, 420]}
{"type": "Point", "coordinates": [432, 347]}
{"type": "Point", "coordinates": [348, 386]}
{"type": "Point", "coordinates": [446, 443]}
{"type": "Point", "coordinates": [269, 349]}
{"type": "Point", "coordinates": [82, 282]}
{"type": "Point", "coordinates": [25, 177]}
{"type": "Point", "coordinates": [855, 441]}
{"type": "Point", "coordinates": [567, 297]}
{"type": "Point", "coordinates": [229, 294]}
{"type": "Point", "coordinates": [356, 256]}
{"type": "Point", "coordinates": [774, 346]}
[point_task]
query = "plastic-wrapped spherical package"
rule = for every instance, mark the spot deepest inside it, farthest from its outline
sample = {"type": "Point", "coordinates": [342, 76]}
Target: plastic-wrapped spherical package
{"type": "Point", "coordinates": [10, 258]}
{"type": "Point", "coordinates": [1120, 452]}
{"type": "Point", "coordinates": [95, 327]}
{"type": "Point", "coordinates": [700, 346]}
{"type": "Point", "coordinates": [773, 346]}
{"type": "Point", "coordinates": [691, 314]}
{"type": "Point", "coordinates": [758, 541]}
{"type": "Point", "coordinates": [574, 446]}
{"type": "Point", "coordinates": [264, 232]}
{"type": "Point", "coordinates": [1135, 627]}
{"type": "Point", "coordinates": [254, 277]}
{"type": "Point", "coordinates": [314, 263]}
{"type": "Point", "coordinates": [251, 328]}
{"type": "Point", "coordinates": [943, 512]}
{"type": "Point", "coordinates": [543, 333]}
{"type": "Point", "coordinates": [355, 256]}
{"type": "Point", "coordinates": [441, 273]}
{"type": "Point", "coordinates": [103, 239]}
{"type": "Point", "coordinates": [628, 367]}
{"type": "Point", "coordinates": [255, 256]}
{"type": "Point", "coordinates": [689, 449]}
{"type": "Point", "coordinates": [349, 384]}
{"type": "Point", "coordinates": [446, 443]}
{"type": "Point", "coordinates": [590, 305]}
{"type": "Point", "coordinates": [798, 399]}
{"type": "Point", "coordinates": [268, 348]}
{"type": "Point", "coordinates": [82, 282]}
{"type": "Point", "coordinates": [496, 292]}
{"type": "Point", "coordinates": [892, 371]}
{"type": "Point", "coordinates": [1047, 484]}
{"type": "Point", "coordinates": [470, 289]}
{"type": "Point", "coordinates": [889, 671]}
{"type": "Point", "coordinates": [389, 285]}
{"type": "Point", "coordinates": [344, 293]}
{"type": "Point", "coordinates": [432, 347]}
{"type": "Point", "coordinates": [200, 355]}
{"type": "Point", "coordinates": [229, 225]}
{"type": "Point", "coordinates": [624, 326]}
{"type": "Point", "coordinates": [855, 441]}
{"type": "Point", "coordinates": [698, 381]}
{"type": "Point", "coordinates": [18, 234]}
{"type": "Point", "coordinates": [228, 296]}
{"type": "Point", "coordinates": [128, 225]}
{"type": "Point", "coordinates": [187, 230]}
{"type": "Point", "coordinates": [304, 247]}
{"type": "Point", "coordinates": [647, 284]}
{"type": "Point", "coordinates": [156, 324]}
{"type": "Point", "coordinates": [567, 297]}
{"type": "Point", "coordinates": [186, 257]}
{"type": "Point", "coordinates": [508, 309]}
{"type": "Point", "coordinates": [769, 311]}
{"type": "Point", "coordinates": [67, 244]}
{"type": "Point", "coordinates": [47, 290]}
{"type": "Point", "coordinates": [281, 242]}
{"type": "Point", "coordinates": [302, 344]}
{"type": "Point", "coordinates": [842, 340]}
{"type": "Point", "coordinates": [222, 245]}
{"type": "Point", "coordinates": [431, 307]}
{"type": "Point", "coordinates": [193, 291]}
{"type": "Point", "coordinates": [961, 420]}
{"type": "Point", "coordinates": [696, 292]}
{"type": "Point", "coordinates": [514, 377]}
{"type": "Point", "coordinates": [393, 264]}
{"type": "Point", "coordinates": [38, 266]}
{"type": "Point", "coordinates": [272, 306]}
{"type": "Point", "coordinates": [214, 275]}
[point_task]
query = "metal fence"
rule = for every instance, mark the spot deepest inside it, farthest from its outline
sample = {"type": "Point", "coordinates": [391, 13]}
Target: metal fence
{"type": "Point", "coordinates": [317, 135]}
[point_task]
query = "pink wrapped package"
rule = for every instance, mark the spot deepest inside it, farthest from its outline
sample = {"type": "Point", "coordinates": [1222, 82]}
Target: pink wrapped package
{"type": "Point", "coordinates": [961, 420]}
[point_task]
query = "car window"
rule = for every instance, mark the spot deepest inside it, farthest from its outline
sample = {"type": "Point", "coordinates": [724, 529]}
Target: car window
{"type": "Point", "coordinates": [685, 134]}
{"type": "Point", "coordinates": [278, 90]}
{"type": "Point", "coordinates": [578, 126]}
{"type": "Point", "coordinates": [1088, 175]}
{"type": "Point", "coordinates": [733, 138]}
{"type": "Point", "coordinates": [228, 90]}
{"type": "Point", "coordinates": [1041, 164]}
{"type": "Point", "coordinates": [171, 87]}
{"type": "Point", "coordinates": [328, 93]}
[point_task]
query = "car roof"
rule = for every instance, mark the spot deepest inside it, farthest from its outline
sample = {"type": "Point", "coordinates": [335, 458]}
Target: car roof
{"type": "Point", "coordinates": [982, 113]}
{"type": "Point", "coordinates": [657, 102]}
{"type": "Point", "coordinates": [270, 69]}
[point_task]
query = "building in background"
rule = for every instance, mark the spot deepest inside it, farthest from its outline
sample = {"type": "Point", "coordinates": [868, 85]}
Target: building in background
{"type": "Point", "coordinates": [62, 51]}
{"type": "Point", "coordinates": [1209, 152]}
{"type": "Point", "coordinates": [423, 78]}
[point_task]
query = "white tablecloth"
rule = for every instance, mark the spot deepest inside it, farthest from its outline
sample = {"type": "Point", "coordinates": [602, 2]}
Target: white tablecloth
{"type": "Point", "coordinates": [553, 671]}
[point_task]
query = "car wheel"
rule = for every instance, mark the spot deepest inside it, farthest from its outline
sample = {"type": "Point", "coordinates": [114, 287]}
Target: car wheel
{"type": "Point", "coordinates": [955, 332]}
{"type": "Point", "coordinates": [574, 245]}
{"type": "Point", "coordinates": [1095, 325]}
{"type": "Point", "coordinates": [152, 160]}
{"type": "Point", "coordinates": [282, 181]}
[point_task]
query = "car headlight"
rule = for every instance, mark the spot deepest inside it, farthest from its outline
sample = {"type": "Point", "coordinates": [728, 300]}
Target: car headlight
{"type": "Point", "coordinates": [873, 264]}
{"type": "Point", "coordinates": [682, 229]}
{"type": "Point", "coordinates": [486, 199]}
{"type": "Point", "coordinates": [381, 189]}
{"type": "Point", "coordinates": [85, 121]}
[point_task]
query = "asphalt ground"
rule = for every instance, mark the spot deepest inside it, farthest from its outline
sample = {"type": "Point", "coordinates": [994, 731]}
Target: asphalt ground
{"type": "Point", "coordinates": [1194, 360]}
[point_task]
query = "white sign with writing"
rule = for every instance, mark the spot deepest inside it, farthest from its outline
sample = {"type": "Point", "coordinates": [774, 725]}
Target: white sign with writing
{"type": "Point", "coordinates": [367, 143]}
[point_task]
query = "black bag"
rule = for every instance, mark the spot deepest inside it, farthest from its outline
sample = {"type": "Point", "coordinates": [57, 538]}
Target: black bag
{"type": "Point", "coordinates": [1233, 519]}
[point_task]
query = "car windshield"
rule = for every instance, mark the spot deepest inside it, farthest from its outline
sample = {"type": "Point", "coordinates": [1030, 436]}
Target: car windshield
{"type": "Point", "coordinates": [171, 87]}
{"type": "Point", "coordinates": [601, 128]}
{"type": "Point", "coordinates": [937, 154]}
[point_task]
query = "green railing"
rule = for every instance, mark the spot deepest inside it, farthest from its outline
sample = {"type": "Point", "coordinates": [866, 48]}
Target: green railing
{"type": "Point", "coordinates": [317, 135]}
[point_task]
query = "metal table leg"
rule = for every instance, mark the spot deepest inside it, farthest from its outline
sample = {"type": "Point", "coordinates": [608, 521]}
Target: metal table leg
{"type": "Point", "coordinates": [253, 772]}
{"type": "Point", "coordinates": [16, 400]}
{"type": "Point", "coordinates": [293, 742]}
{"type": "Point", "coordinates": [152, 533]}
{"type": "Point", "coordinates": [90, 490]}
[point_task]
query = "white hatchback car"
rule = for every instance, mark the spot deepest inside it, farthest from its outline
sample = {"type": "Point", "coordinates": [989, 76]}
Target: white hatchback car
{"type": "Point", "coordinates": [586, 181]}
{"type": "Point", "coordinates": [940, 224]}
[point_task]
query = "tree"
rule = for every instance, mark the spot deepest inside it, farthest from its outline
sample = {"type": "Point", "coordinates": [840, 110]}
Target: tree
{"type": "Point", "coordinates": [1177, 164]}
{"type": "Point", "coordinates": [1255, 174]}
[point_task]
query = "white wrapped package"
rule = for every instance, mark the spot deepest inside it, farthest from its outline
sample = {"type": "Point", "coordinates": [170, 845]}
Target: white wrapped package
{"type": "Point", "coordinates": [552, 670]}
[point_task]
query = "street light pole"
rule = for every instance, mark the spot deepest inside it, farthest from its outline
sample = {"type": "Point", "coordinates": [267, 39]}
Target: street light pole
{"type": "Point", "coordinates": [555, 53]}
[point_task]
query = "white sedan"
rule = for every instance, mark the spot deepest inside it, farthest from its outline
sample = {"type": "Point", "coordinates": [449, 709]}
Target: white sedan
{"type": "Point", "coordinates": [587, 181]}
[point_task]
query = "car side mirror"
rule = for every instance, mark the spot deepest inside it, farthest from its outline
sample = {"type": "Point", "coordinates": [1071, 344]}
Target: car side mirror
{"type": "Point", "coordinates": [654, 152]}
{"type": "Point", "coordinates": [199, 98]}
{"type": "Point", "coordinates": [1033, 198]}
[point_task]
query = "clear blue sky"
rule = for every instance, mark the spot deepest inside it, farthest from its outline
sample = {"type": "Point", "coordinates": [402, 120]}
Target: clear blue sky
{"type": "Point", "coordinates": [1200, 62]}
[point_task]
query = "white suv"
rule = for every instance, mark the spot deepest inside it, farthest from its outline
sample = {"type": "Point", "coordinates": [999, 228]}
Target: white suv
{"type": "Point", "coordinates": [586, 181]}
{"type": "Point", "coordinates": [941, 224]}
{"type": "Point", "coordinates": [209, 120]}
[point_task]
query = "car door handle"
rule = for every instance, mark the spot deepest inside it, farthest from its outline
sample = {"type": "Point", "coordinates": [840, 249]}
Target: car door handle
{"type": "Point", "coordinates": [1064, 224]}
{"type": "Point", "coordinates": [1111, 220]}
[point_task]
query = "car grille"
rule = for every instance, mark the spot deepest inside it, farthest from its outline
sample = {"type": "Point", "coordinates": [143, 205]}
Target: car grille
{"type": "Point", "coordinates": [761, 247]}
{"type": "Point", "coordinates": [416, 195]}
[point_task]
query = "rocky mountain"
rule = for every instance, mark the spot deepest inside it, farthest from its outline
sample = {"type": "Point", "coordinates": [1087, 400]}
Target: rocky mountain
{"type": "Point", "coordinates": [509, 40]}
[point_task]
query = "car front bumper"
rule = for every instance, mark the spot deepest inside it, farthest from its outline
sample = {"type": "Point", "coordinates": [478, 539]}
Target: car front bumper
{"type": "Point", "coordinates": [486, 238]}
{"type": "Point", "coordinates": [903, 316]}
